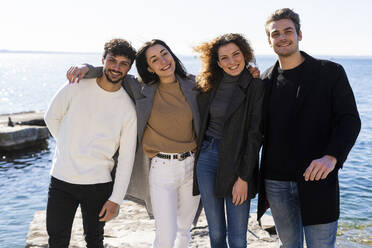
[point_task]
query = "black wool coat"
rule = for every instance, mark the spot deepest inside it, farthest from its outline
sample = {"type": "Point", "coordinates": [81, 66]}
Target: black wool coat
{"type": "Point", "coordinates": [325, 122]}
{"type": "Point", "coordinates": [241, 138]}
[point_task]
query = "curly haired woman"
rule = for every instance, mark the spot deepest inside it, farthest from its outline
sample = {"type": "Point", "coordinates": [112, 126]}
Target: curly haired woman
{"type": "Point", "coordinates": [229, 140]}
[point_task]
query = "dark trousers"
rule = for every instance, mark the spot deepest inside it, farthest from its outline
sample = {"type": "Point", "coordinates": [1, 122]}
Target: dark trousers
{"type": "Point", "coordinates": [63, 200]}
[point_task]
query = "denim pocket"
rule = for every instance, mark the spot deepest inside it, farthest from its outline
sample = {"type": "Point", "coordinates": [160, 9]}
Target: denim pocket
{"type": "Point", "coordinates": [205, 145]}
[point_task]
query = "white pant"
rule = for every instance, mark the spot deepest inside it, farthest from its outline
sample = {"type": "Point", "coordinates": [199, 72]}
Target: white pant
{"type": "Point", "coordinates": [174, 207]}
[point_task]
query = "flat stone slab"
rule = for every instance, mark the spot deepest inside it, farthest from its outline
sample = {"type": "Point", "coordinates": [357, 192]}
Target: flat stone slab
{"type": "Point", "coordinates": [24, 117]}
{"type": "Point", "coordinates": [29, 129]}
{"type": "Point", "coordinates": [133, 229]}
{"type": "Point", "coordinates": [19, 137]}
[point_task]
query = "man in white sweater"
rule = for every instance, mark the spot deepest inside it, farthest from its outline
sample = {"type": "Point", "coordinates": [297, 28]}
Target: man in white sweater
{"type": "Point", "coordinates": [90, 121]}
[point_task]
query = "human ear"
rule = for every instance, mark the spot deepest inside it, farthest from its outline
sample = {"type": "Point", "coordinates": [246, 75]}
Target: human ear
{"type": "Point", "coordinates": [269, 40]}
{"type": "Point", "coordinates": [150, 70]}
{"type": "Point", "coordinates": [299, 35]}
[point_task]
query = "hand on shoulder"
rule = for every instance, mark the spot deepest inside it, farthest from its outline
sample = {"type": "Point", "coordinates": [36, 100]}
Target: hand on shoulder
{"type": "Point", "coordinates": [75, 73]}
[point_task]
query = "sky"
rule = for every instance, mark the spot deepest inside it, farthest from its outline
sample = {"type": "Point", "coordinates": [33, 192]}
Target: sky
{"type": "Point", "coordinates": [329, 27]}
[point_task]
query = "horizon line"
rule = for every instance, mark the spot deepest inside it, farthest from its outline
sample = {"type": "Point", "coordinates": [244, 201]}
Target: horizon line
{"type": "Point", "coordinates": [180, 54]}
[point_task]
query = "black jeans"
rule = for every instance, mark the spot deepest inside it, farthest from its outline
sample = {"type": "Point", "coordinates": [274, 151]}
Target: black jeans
{"type": "Point", "coordinates": [63, 200]}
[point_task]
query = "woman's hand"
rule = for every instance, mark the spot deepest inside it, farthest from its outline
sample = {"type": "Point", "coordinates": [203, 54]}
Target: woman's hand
{"type": "Point", "coordinates": [75, 73]}
{"type": "Point", "coordinates": [239, 192]}
{"type": "Point", "coordinates": [254, 71]}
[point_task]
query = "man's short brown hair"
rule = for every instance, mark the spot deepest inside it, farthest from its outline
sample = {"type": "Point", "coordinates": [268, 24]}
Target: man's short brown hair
{"type": "Point", "coordinates": [284, 13]}
{"type": "Point", "coordinates": [120, 47]}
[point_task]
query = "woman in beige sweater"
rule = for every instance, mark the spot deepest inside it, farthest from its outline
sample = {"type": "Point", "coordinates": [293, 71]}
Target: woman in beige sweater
{"type": "Point", "coordinates": [169, 120]}
{"type": "Point", "coordinates": [167, 128]}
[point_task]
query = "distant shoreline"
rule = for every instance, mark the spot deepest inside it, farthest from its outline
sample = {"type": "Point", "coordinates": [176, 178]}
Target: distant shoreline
{"type": "Point", "coordinates": [184, 55]}
{"type": "Point", "coordinates": [45, 52]}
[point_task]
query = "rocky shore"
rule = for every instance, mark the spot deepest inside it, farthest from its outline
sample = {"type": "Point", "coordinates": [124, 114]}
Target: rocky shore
{"type": "Point", "coordinates": [22, 130]}
{"type": "Point", "coordinates": [133, 229]}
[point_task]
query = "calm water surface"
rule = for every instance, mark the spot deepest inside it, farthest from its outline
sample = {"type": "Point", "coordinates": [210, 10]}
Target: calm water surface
{"type": "Point", "coordinates": [28, 82]}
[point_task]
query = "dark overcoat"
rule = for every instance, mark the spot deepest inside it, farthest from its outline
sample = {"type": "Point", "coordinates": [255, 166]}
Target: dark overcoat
{"type": "Point", "coordinates": [241, 138]}
{"type": "Point", "coordinates": [325, 122]}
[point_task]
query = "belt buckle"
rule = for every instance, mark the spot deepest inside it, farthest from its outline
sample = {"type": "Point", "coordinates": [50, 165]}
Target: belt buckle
{"type": "Point", "coordinates": [183, 156]}
{"type": "Point", "coordinates": [180, 158]}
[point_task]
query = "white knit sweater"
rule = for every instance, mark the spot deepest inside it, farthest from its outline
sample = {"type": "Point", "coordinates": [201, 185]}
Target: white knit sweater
{"type": "Point", "coordinates": [89, 124]}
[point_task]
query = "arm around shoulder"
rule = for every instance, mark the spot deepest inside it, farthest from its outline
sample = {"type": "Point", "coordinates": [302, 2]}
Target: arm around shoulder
{"type": "Point", "coordinates": [93, 71]}
{"type": "Point", "coordinates": [132, 86]}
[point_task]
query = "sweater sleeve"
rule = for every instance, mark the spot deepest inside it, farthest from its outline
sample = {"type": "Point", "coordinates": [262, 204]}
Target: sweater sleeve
{"type": "Point", "coordinates": [58, 109]}
{"type": "Point", "coordinates": [128, 139]}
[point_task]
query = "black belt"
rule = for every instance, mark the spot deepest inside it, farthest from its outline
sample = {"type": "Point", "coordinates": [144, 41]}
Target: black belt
{"type": "Point", "coordinates": [179, 156]}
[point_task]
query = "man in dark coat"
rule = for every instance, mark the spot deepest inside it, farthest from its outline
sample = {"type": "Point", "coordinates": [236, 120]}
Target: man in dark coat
{"type": "Point", "coordinates": [310, 124]}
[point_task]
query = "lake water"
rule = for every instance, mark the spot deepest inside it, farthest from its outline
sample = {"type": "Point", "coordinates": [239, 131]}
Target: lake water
{"type": "Point", "coordinates": [29, 80]}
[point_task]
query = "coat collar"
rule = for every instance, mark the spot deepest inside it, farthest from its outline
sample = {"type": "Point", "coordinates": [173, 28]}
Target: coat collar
{"type": "Point", "coordinates": [271, 71]}
{"type": "Point", "coordinates": [144, 107]}
{"type": "Point", "coordinates": [205, 100]}
{"type": "Point", "coordinates": [185, 84]}
{"type": "Point", "coordinates": [189, 90]}
{"type": "Point", "coordinates": [148, 90]}
{"type": "Point", "coordinates": [239, 93]}
{"type": "Point", "coordinates": [311, 74]}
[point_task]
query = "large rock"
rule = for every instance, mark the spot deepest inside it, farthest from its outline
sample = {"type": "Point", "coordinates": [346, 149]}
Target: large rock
{"type": "Point", "coordinates": [19, 137]}
{"type": "Point", "coordinates": [133, 229]}
{"type": "Point", "coordinates": [22, 130]}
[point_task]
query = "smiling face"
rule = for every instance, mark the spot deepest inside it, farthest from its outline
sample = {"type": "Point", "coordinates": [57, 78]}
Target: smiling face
{"type": "Point", "coordinates": [231, 59]}
{"type": "Point", "coordinates": [283, 37]}
{"type": "Point", "coordinates": [115, 68]}
{"type": "Point", "coordinates": [161, 62]}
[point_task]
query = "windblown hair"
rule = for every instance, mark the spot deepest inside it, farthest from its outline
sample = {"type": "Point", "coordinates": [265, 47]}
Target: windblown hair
{"type": "Point", "coordinates": [120, 47]}
{"type": "Point", "coordinates": [142, 65]}
{"type": "Point", "coordinates": [284, 13]}
{"type": "Point", "coordinates": [211, 73]}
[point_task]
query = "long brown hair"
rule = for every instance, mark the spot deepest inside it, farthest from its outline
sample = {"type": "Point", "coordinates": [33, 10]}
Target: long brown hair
{"type": "Point", "coordinates": [211, 73]}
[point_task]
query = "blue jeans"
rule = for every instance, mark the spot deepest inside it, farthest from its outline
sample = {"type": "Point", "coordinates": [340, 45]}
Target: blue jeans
{"type": "Point", "coordinates": [285, 208]}
{"type": "Point", "coordinates": [237, 216]}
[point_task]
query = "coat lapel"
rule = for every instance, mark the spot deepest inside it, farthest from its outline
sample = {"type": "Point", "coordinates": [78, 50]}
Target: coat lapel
{"type": "Point", "coordinates": [268, 77]}
{"type": "Point", "coordinates": [190, 92]}
{"type": "Point", "coordinates": [144, 107]}
{"type": "Point", "coordinates": [204, 100]}
{"type": "Point", "coordinates": [304, 88]}
{"type": "Point", "coordinates": [309, 77]}
{"type": "Point", "coordinates": [239, 93]}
